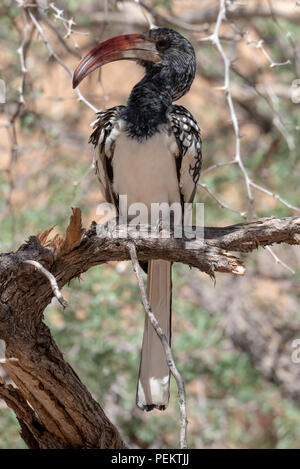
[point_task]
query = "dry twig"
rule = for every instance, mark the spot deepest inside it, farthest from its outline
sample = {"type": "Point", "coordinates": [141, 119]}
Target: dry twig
{"type": "Point", "coordinates": [52, 281]}
{"type": "Point", "coordinates": [166, 346]}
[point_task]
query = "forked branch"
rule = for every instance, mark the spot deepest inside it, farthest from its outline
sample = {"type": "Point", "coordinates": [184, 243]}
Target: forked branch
{"type": "Point", "coordinates": [65, 414]}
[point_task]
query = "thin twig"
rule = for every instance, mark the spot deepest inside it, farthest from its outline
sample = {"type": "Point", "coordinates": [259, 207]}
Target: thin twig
{"type": "Point", "coordinates": [52, 281]}
{"type": "Point", "coordinates": [166, 346]}
{"type": "Point", "coordinates": [222, 204]}
{"type": "Point", "coordinates": [20, 51]}
{"type": "Point", "coordinates": [147, 18]}
{"type": "Point", "coordinates": [169, 20]}
{"type": "Point", "coordinates": [275, 196]}
{"type": "Point", "coordinates": [217, 165]}
{"type": "Point", "coordinates": [59, 60]}
{"type": "Point", "coordinates": [67, 25]}
{"type": "Point", "coordinates": [279, 261]}
{"type": "Point", "coordinates": [260, 45]}
{"type": "Point", "coordinates": [214, 38]}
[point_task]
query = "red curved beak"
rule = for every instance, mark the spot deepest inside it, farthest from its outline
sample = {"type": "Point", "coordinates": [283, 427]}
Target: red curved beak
{"type": "Point", "coordinates": [127, 47]}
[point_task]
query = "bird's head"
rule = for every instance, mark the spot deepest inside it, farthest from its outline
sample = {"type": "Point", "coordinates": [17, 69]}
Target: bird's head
{"type": "Point", "coordinates": [162, 51]}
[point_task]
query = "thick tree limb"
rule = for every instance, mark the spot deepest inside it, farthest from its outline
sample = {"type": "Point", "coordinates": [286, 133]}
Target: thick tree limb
{"type": "Point", "coordinates": [66, 415]}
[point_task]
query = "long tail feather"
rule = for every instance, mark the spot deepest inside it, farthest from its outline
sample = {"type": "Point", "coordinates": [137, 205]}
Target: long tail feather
{"type": "Point", "coordinates": [154, 377]}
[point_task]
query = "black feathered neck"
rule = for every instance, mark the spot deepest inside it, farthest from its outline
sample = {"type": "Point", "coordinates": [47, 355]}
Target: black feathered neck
{"type": "Point", "coordinates": [147, 106]}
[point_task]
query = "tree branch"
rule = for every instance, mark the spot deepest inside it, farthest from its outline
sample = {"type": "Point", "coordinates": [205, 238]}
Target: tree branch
{"type": "Point", "coordinates": [62, 405]}
{"type": "Point", "coordinates": [283, 10]}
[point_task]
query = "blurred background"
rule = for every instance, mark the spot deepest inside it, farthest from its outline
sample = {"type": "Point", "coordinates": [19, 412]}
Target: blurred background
{"type": "Point", "coordinates": [233, 341]}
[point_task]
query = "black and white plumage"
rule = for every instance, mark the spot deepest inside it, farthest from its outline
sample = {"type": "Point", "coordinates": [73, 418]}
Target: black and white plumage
{"type": "Point", "coordinates": [184, 140]}
{"type": "Point", "coordinates": [150, 151]}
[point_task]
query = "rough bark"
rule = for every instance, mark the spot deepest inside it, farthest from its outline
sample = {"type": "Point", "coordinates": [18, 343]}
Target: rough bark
{"type": "Point", "coordinates": [54, 408]}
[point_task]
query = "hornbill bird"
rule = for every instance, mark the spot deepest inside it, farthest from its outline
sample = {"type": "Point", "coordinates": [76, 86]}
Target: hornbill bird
{"type": "Point", "coordinates": [150, 151]}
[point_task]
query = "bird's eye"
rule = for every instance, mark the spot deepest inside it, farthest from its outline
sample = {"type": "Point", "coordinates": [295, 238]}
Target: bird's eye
{"type": "Point", "coordinates": [162, 45]}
